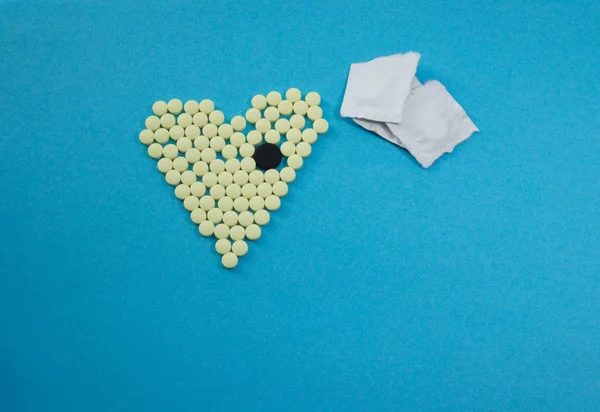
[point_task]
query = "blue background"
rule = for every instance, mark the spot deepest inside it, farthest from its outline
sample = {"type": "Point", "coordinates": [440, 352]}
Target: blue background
{"type": "Point", "coordinates": [379, 286]}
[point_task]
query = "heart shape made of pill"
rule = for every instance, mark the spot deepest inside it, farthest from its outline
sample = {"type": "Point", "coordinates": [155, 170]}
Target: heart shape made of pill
{"type": "Point", "coordinates": [229, 176]}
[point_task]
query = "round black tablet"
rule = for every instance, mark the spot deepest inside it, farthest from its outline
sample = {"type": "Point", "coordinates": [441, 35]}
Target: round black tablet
{"type": "Point", "coordinates": [267, 156]}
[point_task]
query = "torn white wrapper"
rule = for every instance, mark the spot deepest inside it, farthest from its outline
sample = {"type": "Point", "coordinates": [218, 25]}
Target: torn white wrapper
{"type": "Point", "coordinates": [382, 129]}
{"type": "Point", "coordinates": [377, 90]}
{"type": "Point", "coordinates": [433, 123]}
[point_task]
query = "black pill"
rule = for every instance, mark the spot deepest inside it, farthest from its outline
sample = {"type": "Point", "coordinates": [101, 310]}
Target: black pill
{"type": "Point", "coordinates": [267, 156]}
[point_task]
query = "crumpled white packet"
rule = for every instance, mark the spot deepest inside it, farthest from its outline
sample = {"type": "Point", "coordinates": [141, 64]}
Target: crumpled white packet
{"type": "Point", "coordinates": [377, 90]}
{"type": "Point", "coordinates": [382, 129]}
{"type": "Point", "coordinates": [433, 123]}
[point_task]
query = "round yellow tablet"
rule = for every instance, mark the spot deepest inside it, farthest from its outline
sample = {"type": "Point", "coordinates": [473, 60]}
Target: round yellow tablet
{"type": "Point", "coordinates": [237, 232]}
{"type": "Point", "coordinates": [240, 204]}
{"type": "Point", "coordinates": [161, 135]}
{"type": "Point", "coordinates": [309, 136]}
{"type": "Point", "coordinates": [217, 166]}
{"type": "Point", "coordinates": [271, 114]}
{"type": "Point", "coordinates": [225, 204]}
{"type": "Point", "coordinates": [225, 131]}
{"type": "Point", "coordinates": [208, 155]}
{"type": "Point", "coordinates": [287, 175]}
{"type": "Point", "coordinates": [188, 177]}
{"type": "Point", "coordinates": [206, 106]}
{"type": "Point", "coordinates": [238, 123]}
{"type": "Point", "coordinates": [215, 215]}
{"type": "Point", "coordinates": [300, 107]}
{"type": "Point", "coordinates": [287, 148]}
{"type": "Point", "coordinates": [256, 203]}
{"type": "Point", "coordinates": [239, 248]}
{"type": "Point", "coordinates": [206, 203]}
{"type": "Point", "coordinates": [198, 216]}
{"type": "Point", "coordinates": [206, 228]}
{"type": "Point", "coordinates": [233, 191]}
{"type": "Point", "coordinates": [217, 191]}
{"type": "Point", "coordinates": [190, 203]}
{"type": "Point", "coordinates": [256, 177]}
{"type": "Point", "coordinates": [321, 126]}
{"type": "Point", "coordinates": [201, 142]}
{"type": "Point", "coordinates": [271, 176]}
{"type": "Point", "coordinates": [152, 123]}
{"type": "Point", "coordinates": [192, 155]}
{"type": "Point", "coordinates": [182, 191]}
{"type": "Point", "coordinates": [263, 125]}
{"type": "Point", "coordinates": [184, 120]}
{"type": "Point", "coordinates": [246, 150]}
{"type": "Point", "coordinates": [170, 151]}
{"type": "Point", "coordinates": [225, 178]}
{"type": "Point", "coordinates": [192, 131]}
{"type": "Point", "coordinates": [180, 164]}
{"type": "Point", "coordinates": [273, 203]}
{"type": "Point", "coordinates": [191, 107]}
{"type": "Point", "coordinates": [167, 120]}
{"type": "Point", "coordinates": [246, 218]}
{"type": "Point", "coordinates": [155, 150]}
{"type": "Point", "coordinates": [222, 231]}
{"type": "Point", "coordinates": [184, 144]}
{"type": "Point", "coordinates": [165, 165]}
{"type": "Point", "coordinates": [210, 179]}
{"type": "Point", "coordinates": [314, 113]}
{"type": "Point", "coordinates": [159, 108]}
{"type": "Point", "coordinates": [297, 121]}
{"type": "Point", "coordinates": [173, 177]}
{"type": "Point", "coordinates": [262, 217]}
{"type": "Point", "coordinates": [248, 164]}
{"type": "Point", "coordinates": [200, 119]}
{"type": "Point", "coordinates": [237, 139]}
{"type": "Point", "coordinates": [294, 135]}
{"type": "Point", "coordinates": [217, 143]}
{"type": "Point", "coordinates": [248, 190]}
{"type": "Point", "coordinates": [293, 95]}
{"type": "Point", "coordinates": [198, 189]}
{"type": "Point", "coordinates": [223, 246]}
{"type": "Point", "coordinates": [285, 107]}
{"type": "Point", "coordinates": [280, 189]}
{"type": "Point", "coordinates": [303, 149]}
{"type": "Point", "coordinates": [253, 115]}
{"type": "Point", "coordinates": [232, 165]}
{"type": "Point", "coordinates": [229, 260]}
{"type": "Point", "coordinates": [240, 177]}
{"type": "Point", "coordinates": [253, 232]}
{"type": "Point", "coordinates": [282, 126]}
{"type": "Point", "coordinates": [230, 218]}
{"type": "Point", "coordinates": [295, 161]}
{"type": "Point", "coordinates": [264, 190]}
{"type": "Point", "coordinates": [210, 130]}
{"type": "Point", "coordinates": [175, 106]}
{"type": "Point", "coordinates": [273, 98]}
{"type": "Point", "coordinates": [272, 136]}
{"type": "Point", "coordinates": [259, 102]}
{"type": "Point", "coordinates": [313, 99]}
{"type": "Point", "coordinates": [176, 132]}
{"type": "Point", "coordinates": [200, 168]}
{"type": "Point", "coordinates": [254, 137]}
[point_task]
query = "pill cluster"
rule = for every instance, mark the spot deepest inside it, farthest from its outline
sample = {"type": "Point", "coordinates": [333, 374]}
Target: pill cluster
{"type": "Point", "coordinates": [230, 176]}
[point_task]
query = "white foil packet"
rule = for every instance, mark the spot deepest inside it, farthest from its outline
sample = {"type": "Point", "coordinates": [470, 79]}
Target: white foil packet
{"type": "Point", "coordinates": [377, 90]}
{"type": "Point", "coordinates": [433, 123]}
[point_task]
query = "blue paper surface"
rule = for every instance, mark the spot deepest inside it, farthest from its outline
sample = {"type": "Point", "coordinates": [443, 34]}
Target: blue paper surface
{"type": "Point", "coordinates": [379, 286]}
